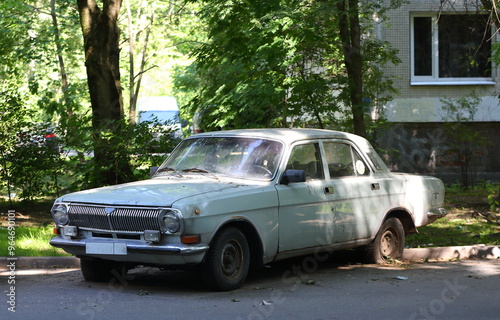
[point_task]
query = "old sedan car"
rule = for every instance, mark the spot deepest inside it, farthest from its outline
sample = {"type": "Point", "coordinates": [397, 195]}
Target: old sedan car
{"type": "Point", "coordinates": [230, 200]}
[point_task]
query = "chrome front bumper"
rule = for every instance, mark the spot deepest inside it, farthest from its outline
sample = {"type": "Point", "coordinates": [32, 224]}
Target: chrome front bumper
{"type": "Point", "coordinates": [132, 251]}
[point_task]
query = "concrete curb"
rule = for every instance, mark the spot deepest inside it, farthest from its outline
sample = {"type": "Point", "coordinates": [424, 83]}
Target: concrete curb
{"type": "Point", "coordinates": [444, 253]}
{"type": "Point", "coordinates": [462, 252]}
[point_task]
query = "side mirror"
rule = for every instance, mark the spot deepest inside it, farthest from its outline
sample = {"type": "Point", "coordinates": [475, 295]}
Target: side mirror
{"type": "Point", "coordinates": [293, 176]}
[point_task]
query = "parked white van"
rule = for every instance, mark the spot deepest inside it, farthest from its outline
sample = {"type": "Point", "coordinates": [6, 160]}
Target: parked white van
{"type": "Point", "coordinates": [163, 108]}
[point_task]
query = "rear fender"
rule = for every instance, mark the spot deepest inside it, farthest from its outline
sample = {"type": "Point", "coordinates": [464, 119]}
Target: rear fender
{"type": "Point", "coordinates": [405, 217]}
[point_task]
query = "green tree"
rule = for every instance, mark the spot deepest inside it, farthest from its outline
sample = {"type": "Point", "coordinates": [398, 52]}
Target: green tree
{"type": "Point", "coordinates": [13, 120]}
{"type": "Point", "coordinates": [43, 84]}
{"type": "Point", "coordinates": [280, 63]}
{"type": "Point", "coordinates": [491, 6]}
{"type": "Point", "coordinates": [350, 35]}
{"type": "Point", "coordinates": [17, 39]}
{"type": "Point", "coordinates": [464, 140]}
{"type": "Point", "coordinates": [47, 55]}
{"type": "Point", "coordinates": [102, 56]}
{"type": "Point", "coordinates": [157, 36]}
{"type": "Point", "coordinates": [139, 30]}
{"type": "Point", "coordinates": [60, 58]}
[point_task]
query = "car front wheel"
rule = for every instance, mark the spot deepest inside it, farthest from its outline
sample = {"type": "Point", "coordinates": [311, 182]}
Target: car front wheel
{"type": "Point", "coordinates": [389, 242]}
{"type": "Point", "coordinates": [227, 262]}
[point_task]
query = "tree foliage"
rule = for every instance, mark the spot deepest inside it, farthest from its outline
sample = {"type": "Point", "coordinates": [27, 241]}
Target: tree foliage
{"type": "Point", "coordinates": [290, 63]}
{"type": "Point", "coordinates": [464, 142]}
{"type": "Point", "coordinates": [266, 63]}
{"type": "Point", "coordinates": [156, 36]}
{"type": "Point", "coordinates": [44, 84]}
{"type": "Point", "coordinates": [101, 37]}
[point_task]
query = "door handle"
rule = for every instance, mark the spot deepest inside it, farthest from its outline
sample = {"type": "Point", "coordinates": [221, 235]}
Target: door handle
{"type": "Point", "coordinates": [329, 190]}
{"type": "Point", "coordinates": [375, 186]}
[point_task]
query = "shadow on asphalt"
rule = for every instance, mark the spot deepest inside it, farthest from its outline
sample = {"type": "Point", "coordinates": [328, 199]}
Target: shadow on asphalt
{"type": "Point", "coordinates": [147, 280]}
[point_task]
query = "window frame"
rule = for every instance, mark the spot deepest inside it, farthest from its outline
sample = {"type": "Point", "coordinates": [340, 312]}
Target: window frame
{"type": "Point", "coordinates": [434, 79]}
{"type": "Point", "coordinates": [315, 143]}
{"type": "Point", "coordinates": [354, 152]}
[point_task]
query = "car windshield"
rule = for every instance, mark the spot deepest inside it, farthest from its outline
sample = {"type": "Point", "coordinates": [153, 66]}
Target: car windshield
{"type": "Point", "coordinates": [250, 158]}
{"type": "Point", "coordinates": [162, 116]}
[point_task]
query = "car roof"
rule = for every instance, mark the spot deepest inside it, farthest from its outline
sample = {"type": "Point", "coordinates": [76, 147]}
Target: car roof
{"type": "Point", "coordinates": [290, 136]}
{"type": "Point", "coordinates": [287, 135]}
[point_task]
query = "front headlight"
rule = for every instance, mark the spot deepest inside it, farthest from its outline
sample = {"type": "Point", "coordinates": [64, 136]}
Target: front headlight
{"type": "Point", "coordinates": [60, 214]}
{"type": "Point", "coordinates": [171, 221]}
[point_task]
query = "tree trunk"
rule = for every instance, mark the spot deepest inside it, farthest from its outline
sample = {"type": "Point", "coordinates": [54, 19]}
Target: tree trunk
{"type": "Point", "coordinates": [64, 76]}
{"type": "Point", "coordinates": [492, 8]}
{"type": "Point", "coordinates": [350, 34]}
{"type": "Point", "coordinates": [101, 45]}
{"type": "Point", "coordinates": [131, 49]}
{"type": "Point", "coordinates": [136, 79]}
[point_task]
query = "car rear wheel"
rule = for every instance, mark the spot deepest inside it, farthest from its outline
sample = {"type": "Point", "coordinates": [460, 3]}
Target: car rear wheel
{"type": "Point", "coordinates": [99, 270]}
{"type": "Point", "coordinates": [389, 242]}
{"type": "Point", "coordinates": [227, 262]}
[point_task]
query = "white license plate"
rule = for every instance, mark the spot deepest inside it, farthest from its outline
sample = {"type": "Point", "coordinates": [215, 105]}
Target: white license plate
{"type": "Point", "coordinates": [106, 248]}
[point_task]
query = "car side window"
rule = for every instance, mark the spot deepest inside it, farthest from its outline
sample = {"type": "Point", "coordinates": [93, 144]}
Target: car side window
{"type": "Point", "coordinates": [307, 157]}
{"type": "Point", "coordinates": [344, 161]}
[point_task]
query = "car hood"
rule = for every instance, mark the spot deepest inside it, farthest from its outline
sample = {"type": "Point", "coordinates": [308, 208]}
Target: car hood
{"type": "Point", "coordinates": [161, 191]}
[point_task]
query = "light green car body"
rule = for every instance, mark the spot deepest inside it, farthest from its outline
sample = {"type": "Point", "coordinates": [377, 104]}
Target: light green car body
{"type": "Point", "coordinates": [280, 220]}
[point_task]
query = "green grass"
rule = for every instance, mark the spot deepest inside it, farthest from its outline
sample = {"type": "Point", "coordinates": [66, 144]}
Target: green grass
{"type": "Point", "coordinates": [455, 231]}
{"type": "Point", "coordinates": [30, 241]}
{"type": "Point", "coordinates": [465, 223]}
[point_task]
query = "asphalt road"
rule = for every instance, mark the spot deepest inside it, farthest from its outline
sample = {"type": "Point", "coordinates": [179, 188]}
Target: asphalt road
{"type": "Point", "coordinates": [298, 289]}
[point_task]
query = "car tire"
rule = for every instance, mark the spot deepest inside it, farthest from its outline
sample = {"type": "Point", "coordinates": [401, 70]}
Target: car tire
{"type": "Point", "coordinates": [388, 244]}
{"type": "Point", "coordinates": [227, 261]}
{"type": "Point", "coordinates": [99, 270]}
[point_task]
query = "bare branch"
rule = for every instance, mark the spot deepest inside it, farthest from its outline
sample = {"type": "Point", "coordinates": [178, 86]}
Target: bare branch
{"type": "Point", "coordinates": [144, 71]}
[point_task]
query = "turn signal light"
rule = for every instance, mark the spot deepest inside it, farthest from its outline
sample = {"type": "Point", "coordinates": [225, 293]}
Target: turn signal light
{"type": "Point", "coordinates": [191, 239]}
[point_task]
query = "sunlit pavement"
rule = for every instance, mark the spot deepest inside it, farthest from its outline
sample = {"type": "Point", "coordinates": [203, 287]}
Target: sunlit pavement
{"type": "Point", "coordinates": [34, 272]}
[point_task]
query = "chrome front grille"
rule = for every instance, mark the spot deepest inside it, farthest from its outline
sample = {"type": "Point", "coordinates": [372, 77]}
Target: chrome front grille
{"type": "Point", "coordinates": [114, 219]}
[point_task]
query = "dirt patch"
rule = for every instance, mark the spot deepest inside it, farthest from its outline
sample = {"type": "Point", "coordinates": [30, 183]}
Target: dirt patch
{"type": "Point", "coordinates": [473, 204]}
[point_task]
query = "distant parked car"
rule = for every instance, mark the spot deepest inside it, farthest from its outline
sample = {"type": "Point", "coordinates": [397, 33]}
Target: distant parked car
{"type": "Point", "coordinates": [51, 141]}
{"type": "Point", "coordinates": [225, 201]}
{"type": "Point", "coordinates": [39, 140]}
{"type": "Point", "coordinates": [162, 109]}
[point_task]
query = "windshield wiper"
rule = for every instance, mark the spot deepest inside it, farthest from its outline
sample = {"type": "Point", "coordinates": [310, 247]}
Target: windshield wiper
{"type": "Point", "coordinates": [168, 169]}
{"type": "Point", "coordinates": [198, 170]}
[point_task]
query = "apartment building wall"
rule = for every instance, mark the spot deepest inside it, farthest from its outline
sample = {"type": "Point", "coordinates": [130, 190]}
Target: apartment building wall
{"type": "Point", "coordinates": [418, 140]}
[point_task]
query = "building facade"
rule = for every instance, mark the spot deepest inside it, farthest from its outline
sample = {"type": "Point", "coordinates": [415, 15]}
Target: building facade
{"type": "Point", "coordinates": [445, 120]}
